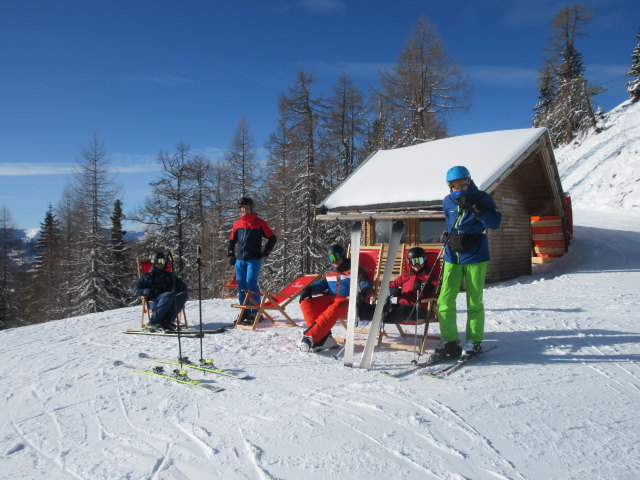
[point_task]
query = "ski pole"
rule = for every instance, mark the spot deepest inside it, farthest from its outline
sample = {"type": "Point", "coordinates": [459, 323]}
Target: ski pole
{"type": "Point", "coordinates": [199, 262]}
{"type": "Point", "coordinates": [174, 289]}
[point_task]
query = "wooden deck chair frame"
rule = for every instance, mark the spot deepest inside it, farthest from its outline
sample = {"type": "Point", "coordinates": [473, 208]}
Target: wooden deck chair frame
{"type": "Point", "coordinates": [143, 267]}
{"type": "Point", "coordinates": [229, 287]}
{"type": "Point", "coordinates": [272, 302]}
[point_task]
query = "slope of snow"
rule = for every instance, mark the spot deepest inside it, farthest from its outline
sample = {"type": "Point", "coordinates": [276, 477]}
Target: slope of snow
{"type": "Point", "coordinates": [604, 169]}
{"type": "Point", "coordinates": [558, 398]}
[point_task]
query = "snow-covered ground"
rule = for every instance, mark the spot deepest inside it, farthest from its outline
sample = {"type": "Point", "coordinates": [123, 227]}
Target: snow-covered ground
{"type": "Point", "coordinates": [558, 399]}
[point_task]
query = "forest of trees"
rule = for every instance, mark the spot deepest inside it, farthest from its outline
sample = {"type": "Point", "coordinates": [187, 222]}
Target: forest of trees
{"type": "Point", "coordinates": [84, 262]}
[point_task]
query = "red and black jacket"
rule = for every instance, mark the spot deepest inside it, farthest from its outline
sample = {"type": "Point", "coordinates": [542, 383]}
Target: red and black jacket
{"type": "Point", "coordinates": [245, 241]}
{"type": "Point", "coordinates": [406, 285]}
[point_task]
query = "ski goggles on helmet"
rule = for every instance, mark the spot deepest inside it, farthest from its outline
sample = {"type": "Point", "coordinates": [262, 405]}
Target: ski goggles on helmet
{"type": "Point", "coordinates": [334, 257]}
{"type": "Point", "coordinates": [461, 186]}
{"type": "Point", "coordinates": [161, 261]}
{"type": "Point", "coordinates": [416, 261]}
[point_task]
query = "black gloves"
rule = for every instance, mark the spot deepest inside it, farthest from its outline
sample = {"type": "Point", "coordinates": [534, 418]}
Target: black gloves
{"type": "Point", "coordinates": [467, 204]}
{"type": "Point", "coordinates": [305, 293]}
{"type": "Point", "coordinates": [232, 261]}
{"type": "Point", "coordinates": [150, 293]}
{"type": "Point", "coordinates": [394, 291]}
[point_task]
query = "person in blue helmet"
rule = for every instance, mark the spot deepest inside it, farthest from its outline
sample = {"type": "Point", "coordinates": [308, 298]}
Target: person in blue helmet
{"type": "Point", "coordinates": [468, 212]}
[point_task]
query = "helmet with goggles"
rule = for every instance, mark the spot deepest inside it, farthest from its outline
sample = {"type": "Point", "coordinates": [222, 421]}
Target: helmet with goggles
{"type": "Point", "coordinates": [336, 253]}
{"type": "Point", "coordinates": [159, 258]}
{"type": "Point", "coordinates": [416, 257]}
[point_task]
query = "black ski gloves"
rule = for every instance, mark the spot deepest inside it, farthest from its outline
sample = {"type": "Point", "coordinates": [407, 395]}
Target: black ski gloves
{"type": "Point", "coordinates": [467, 204]}
{"type": "Point", "coordinates": [394, 291]}
{"type": "Point", "coordinates": [232, 261]}
{"type": "Point", "coordinates": [305, 293]}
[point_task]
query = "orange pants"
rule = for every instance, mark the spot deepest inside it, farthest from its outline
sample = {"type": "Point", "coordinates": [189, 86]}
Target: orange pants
{"type": "Point", "coordinates": [322, 313]}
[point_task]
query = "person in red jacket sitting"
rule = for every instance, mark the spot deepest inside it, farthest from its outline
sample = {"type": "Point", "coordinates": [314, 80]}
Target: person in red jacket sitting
{"type": "Point", "coordinates": [407, 286]}
{"type": "Point", "coordinates": [245, 252]}
{"type": "Point", "coordinates": [322, 312]}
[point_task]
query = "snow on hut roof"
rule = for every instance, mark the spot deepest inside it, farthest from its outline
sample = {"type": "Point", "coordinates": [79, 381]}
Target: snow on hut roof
{"type": "Point", "coordinates": [416, 175]}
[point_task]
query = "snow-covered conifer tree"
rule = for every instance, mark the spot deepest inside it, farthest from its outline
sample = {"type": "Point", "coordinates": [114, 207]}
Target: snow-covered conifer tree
{"type": "Point", "coordinates": [93, 194]}
{"type": "Point", "coordinates": [633, 85]}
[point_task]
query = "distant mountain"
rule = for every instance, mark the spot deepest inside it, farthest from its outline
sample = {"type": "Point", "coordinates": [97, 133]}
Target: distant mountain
{"type": "Point", "coordinates": [603, 169]}
{"type": "Point", "coordinates": [28, 238]}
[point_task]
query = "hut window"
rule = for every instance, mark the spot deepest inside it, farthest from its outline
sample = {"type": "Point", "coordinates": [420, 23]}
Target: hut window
{"type": "Point", "coordinates": [431, 231]}
{"type": "Point", "coordinates": [383, 231]}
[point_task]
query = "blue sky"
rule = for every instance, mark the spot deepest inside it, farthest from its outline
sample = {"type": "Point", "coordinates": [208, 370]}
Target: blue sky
{"type": "Point", "coordinates": [144, 75]}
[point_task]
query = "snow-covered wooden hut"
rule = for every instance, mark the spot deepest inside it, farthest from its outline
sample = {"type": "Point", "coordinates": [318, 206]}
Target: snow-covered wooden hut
{"type": "Point", "coordinates": [516, 167]}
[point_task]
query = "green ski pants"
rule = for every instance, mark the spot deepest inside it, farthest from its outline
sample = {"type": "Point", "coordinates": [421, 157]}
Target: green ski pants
{"type": "Point", "coordinates": [473, 275]}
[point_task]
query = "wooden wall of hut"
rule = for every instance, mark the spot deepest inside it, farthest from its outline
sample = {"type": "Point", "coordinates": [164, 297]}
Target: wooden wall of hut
{"type": "Point", "coordinates": [510, 245]}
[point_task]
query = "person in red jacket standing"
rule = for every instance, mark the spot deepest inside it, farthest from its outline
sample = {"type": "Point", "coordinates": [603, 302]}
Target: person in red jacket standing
{"type": "Point", "coordinates": [407, 286]}
{"type": "Point", "coordinates": [246, 252]}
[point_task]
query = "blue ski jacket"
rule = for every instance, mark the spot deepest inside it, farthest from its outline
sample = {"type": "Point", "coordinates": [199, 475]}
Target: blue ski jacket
{"type": "Point", "coordinates": [461, 221]}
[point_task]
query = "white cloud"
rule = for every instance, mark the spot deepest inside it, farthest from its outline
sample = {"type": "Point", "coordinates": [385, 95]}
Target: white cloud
{"type": "Point", "coordinates": [513, 77]}
{"type": "Point", "coordinates": [12, 169]}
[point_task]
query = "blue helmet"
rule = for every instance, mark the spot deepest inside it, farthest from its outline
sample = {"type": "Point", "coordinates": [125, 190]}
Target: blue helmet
{"type": "Point", "coordinates": [456, 173]}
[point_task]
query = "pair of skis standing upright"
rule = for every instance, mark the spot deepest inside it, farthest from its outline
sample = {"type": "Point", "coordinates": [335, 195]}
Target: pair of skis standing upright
{"type": "Point", "coordinates": [394, 244]}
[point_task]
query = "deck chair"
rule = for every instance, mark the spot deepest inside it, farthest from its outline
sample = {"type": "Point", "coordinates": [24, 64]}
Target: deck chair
{"type": "Point", "coordinates": [429, 304]}
{"type": "Point", "coordinates": [273, 303]}
{"type": "Point", "coordinates": [370, 264]}
{"type": "Point", "coordinates": [229, 287]}
{"type": "Point", "coordinates": [143, 267]}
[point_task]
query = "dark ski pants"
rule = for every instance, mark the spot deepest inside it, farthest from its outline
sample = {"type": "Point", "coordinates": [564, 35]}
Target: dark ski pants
{"type": "Point", "coordinates": [403, 313]}
{"type": "Point", "coordinates": [164, 310]}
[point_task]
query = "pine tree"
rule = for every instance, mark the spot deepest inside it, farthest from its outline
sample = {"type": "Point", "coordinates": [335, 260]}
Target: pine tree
{"type": "Point", "coordinates": [45, 295]}
{"type": "Point", "coordinates": [547, 92]}
{"type": "Point", "coordinates": [172, 214]}
{"type": "Point", "coordinates": [241, 165]}
{"type": "Point", "coordinates": [423, 89]}
{"type": "Point", "coordinates": [282, 205]}
{"type": "Point", "coordinates": [70, 231]}
{"type": "Point", "coordinates": [121, 261]}
{"type": "Point", "coordinates": [11, 278]}
{"type": "Point", "coordinates": [94, 192]}
{"type": "Point", "coordinates": [565, 107]}
{"type": "Point", "coordinates": [633, 85]}
{"type": "Point", "coordinates": [344, 130]}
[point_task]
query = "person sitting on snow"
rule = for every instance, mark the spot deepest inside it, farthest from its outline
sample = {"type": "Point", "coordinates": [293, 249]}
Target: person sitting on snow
{"type": "Point", "coordinates": [157, 287]}
{"type": "Point", "coordinates": [322, 312]}
{"type": "Point", "coordinates": [407, 286]}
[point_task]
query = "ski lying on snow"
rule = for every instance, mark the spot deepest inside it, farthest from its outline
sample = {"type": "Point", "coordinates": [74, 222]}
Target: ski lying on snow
{"type": "Point", "coordinates": [444, 371]}
{"type": "Point", "coordinates": [190, 334]}
{"type": "Point", "coordinates": [418, 366]}
{"type": "Point", "coordinates": [462, 361]}
{"type": "Point", "coordinates": [176, 376]}
{"type": "Point", "coordinates": [206, 366]}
